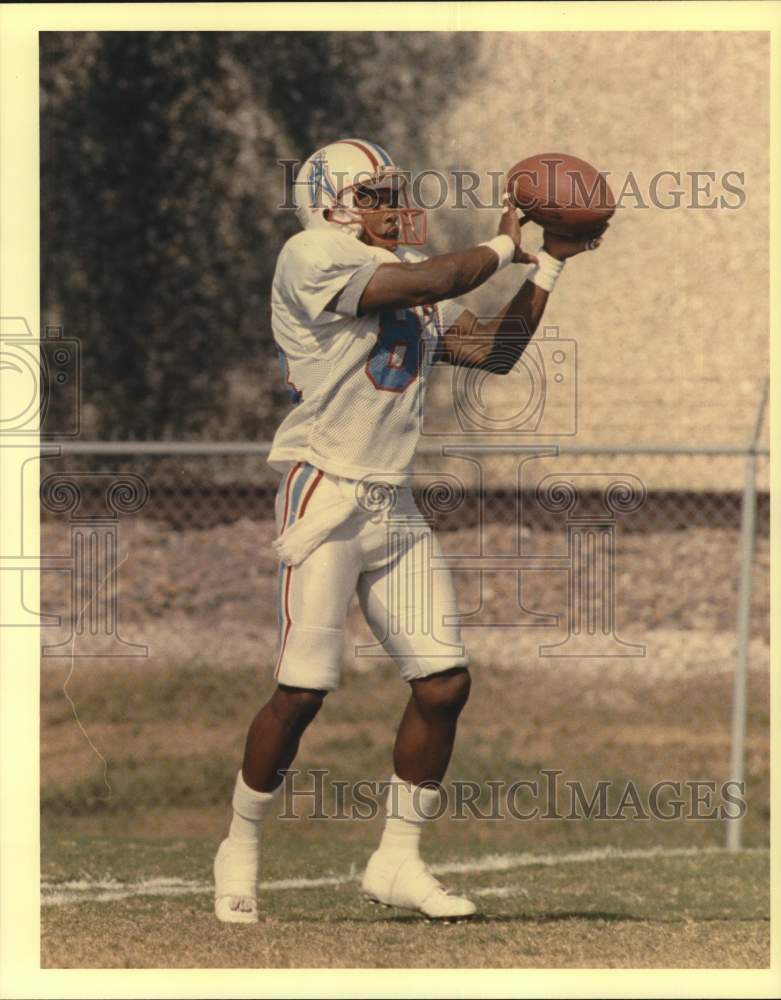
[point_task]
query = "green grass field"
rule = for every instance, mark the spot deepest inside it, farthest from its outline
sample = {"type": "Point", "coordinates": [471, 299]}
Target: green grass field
{"type": "Point", "coordinates": [127, 874]}
{"type": "Point", "coordinates": [691, 910]}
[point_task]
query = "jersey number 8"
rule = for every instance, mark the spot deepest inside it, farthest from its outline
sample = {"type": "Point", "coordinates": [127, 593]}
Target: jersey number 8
{"type": "Point", "coordinates": [395, 359]}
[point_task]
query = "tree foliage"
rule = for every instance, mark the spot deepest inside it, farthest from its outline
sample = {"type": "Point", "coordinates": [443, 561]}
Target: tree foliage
{"type": "Point", "coordinates": [160, 195]}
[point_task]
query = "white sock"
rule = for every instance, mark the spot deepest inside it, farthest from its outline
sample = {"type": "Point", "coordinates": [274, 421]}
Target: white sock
{"type": "Point", "coordinates": [238, 858]}
{"type": "Point", "coordinates": [249, 809]}
{"type": "Point", "coordinates": [408, 808]}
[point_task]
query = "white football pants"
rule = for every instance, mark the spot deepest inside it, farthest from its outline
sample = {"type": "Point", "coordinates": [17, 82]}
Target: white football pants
{"type": "Point", "coordinates": [386, 558]}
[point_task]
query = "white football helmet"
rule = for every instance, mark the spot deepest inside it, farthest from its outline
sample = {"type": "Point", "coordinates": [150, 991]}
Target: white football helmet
{"type": "Point", "coordinates": [328, 181]}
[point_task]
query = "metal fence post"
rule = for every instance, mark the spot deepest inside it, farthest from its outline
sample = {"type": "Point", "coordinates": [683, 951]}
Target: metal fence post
{"type": "Point", "coordinates": [740, 685]}
{"type": "Point", "coordinates": [751, 451]}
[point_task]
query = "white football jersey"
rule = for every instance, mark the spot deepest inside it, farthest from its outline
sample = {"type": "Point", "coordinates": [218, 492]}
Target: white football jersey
{"type": "Point", "coordinates": [358, 382]}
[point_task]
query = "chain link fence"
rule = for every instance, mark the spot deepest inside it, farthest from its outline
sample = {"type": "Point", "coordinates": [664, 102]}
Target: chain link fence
{"type": "Point", "coordinates": [679, 569]}
{"type": "Point", "coordinates": [194, 487]}
{"type": "Point", "coordinates": [677, 549]}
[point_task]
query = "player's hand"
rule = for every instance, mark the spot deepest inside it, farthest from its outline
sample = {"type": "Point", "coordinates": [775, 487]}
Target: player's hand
{"type": "Point", "coordinates": [510, 225]}
{"type": "Point", "coordinates": [562, 247]}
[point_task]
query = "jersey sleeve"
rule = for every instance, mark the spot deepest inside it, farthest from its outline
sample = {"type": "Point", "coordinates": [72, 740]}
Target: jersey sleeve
{"type": "Point", "coordinates": [317, 271]}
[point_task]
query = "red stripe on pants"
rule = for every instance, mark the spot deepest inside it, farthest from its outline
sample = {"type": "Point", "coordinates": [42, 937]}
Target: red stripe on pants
{"type": "Point", "coordinates": [289, 572]}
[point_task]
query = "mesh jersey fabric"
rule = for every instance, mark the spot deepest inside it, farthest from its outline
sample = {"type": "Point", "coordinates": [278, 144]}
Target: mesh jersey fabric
{"type": "Point", "coordinates": [358, 382]}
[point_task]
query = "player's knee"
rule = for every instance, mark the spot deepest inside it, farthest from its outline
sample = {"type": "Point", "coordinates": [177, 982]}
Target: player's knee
{"type": "Point", "coordinates": [296, 707]}
{"type": "Point", "coordinates": [445, 693]}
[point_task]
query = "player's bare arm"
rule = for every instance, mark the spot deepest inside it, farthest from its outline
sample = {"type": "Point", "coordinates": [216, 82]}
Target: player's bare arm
{"type": "Point", "coordinates": [445, 276]}
{"type": "Point", "coordinates": [498, 343]}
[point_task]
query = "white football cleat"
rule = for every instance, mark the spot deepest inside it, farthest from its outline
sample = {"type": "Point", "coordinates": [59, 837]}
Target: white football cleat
{"type": "Point", "coordinates": [408, 884]}
{"type": "Point", "coordinates": [235, 883]}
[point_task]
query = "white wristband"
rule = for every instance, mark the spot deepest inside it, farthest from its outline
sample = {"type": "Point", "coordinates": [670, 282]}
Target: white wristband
{"type": "Point", "coordinates": [545, 273]}
{"type": "Point", "coordinates": [503, 247]}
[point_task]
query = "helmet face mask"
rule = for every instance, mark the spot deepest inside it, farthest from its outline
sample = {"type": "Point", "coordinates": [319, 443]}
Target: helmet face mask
{"type": "Point", "coordinates": [383, 203]}
{"type": "Point", "coordinates": [355, 185]}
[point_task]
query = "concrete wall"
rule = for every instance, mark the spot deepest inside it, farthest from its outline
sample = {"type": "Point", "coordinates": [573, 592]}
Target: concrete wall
{"type": "Point", "coordinates": [671, 315]}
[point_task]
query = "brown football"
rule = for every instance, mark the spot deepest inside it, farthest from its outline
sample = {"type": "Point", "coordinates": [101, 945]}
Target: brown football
{"type": "Point", "coordinates": [561, 193]}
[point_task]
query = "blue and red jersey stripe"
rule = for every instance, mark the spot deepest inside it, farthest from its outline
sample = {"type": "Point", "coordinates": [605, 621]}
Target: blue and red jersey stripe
{"type": "Point", "coordinates": [302, 481]}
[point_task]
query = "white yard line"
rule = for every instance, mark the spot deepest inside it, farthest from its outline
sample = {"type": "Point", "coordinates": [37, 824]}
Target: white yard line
{"type": "Point", "coordinates": [109, 890]}
{"type": "Point", "coordinates": [498, 890]}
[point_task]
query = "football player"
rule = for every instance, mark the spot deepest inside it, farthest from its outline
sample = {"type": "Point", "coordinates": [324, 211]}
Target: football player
{"type": "Point", "coordinates": [358, 317]}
